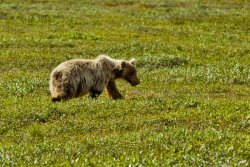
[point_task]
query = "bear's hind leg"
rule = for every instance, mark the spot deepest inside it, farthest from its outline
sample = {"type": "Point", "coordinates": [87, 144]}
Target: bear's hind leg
{"type": "Point", "coordinates": [95, 93]}
{"type": "Point", "coordinates": [58, 99]}
{"type": "Point", "coordinates": [61, 92]}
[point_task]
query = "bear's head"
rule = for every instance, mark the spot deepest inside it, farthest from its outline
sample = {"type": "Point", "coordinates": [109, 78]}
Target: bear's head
{"type": "Point", "coordinates": [128, 72]}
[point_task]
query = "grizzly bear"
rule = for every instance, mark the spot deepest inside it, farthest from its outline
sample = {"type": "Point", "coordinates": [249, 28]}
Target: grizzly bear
{"type": "Point", "coordinates": [77, 77]}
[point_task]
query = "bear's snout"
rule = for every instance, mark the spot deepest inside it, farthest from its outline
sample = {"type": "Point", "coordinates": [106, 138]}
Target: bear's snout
{"type": "Point", "coordinates": [135, 83]}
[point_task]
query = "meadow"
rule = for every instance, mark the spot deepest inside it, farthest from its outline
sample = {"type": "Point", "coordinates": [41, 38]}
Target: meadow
{"type": "Point", "coordinates": [192, 107]}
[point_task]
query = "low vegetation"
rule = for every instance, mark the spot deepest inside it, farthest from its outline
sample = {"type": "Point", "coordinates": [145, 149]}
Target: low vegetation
{"type": "Point", "coordinates": [192, 107]}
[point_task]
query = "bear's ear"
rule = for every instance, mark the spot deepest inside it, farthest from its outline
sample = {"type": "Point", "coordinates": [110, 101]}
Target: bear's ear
{"type": "Point", "coordinates": [132, 61]}
{"type": "Point", "coordinates": [123, 64]}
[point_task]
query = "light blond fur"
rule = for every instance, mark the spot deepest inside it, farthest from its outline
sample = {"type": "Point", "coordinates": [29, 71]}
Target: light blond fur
{"type": "Point", "coordinates": [78, 77]}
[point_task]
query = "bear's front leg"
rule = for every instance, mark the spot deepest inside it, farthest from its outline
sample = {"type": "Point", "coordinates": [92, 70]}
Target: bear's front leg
{"type": "Point", "coordinates": [113, 91]}
{"type": "Point", "coordinates": [95, 93]}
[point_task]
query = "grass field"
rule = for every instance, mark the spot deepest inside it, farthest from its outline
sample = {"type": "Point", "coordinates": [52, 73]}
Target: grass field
{"type": "Point", "coordinates": [192, 107]}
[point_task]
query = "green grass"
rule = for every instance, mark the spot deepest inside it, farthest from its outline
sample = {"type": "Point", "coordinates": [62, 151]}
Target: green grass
{"type": "Point", "coordinates": [192, 107]}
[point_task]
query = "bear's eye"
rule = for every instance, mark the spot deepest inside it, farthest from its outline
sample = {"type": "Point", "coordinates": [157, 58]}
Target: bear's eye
{"type": "Point", "coordinates": [131, 73]}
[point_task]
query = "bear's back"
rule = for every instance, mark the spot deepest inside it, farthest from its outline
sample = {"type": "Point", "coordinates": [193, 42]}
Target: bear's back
{"type": "Point", "coordinates": [75, 64]}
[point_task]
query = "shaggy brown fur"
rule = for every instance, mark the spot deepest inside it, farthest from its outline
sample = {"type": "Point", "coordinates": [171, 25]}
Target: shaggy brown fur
{"type": "Point", "coordinates": [75, 78]}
